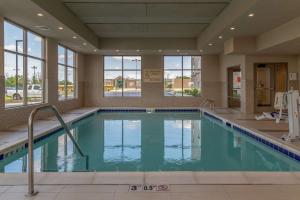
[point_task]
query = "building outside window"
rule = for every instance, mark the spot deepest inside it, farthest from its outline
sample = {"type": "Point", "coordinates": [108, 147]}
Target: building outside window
{"type": "Point", "coordinates": [182, 75]}
{"type": "Point", "coordinates": [122, 76]}
{"type": "Point", "coordinates": [67, 72]}
{"type": "Point", "coordinates": [24, 66]}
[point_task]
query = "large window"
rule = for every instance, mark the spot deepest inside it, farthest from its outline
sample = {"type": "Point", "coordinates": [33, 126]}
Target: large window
{"type": "Point", "coordinates": [67, 71]}
{"type": "Point", "coordinates": [182, 75]}
{"type": "Point", "coordinates": [122, 76]}
{"type": "Point", "coordinates": [23, 66]}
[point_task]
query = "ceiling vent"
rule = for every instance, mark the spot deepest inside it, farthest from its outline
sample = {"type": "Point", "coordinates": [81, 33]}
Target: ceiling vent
{"type": "Point", "coordinates": [43, 28]}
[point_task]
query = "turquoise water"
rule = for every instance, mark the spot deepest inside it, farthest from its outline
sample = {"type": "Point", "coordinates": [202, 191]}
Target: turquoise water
{"type": "Point", "coordinates": [151, 142]}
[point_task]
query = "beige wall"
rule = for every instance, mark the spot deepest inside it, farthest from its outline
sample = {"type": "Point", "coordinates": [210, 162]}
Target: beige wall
{"type": "Point", "coordinates": [251, 60]}
{"type": "Point", "coordinates": [14, 116]}
{"type": "Point", "coordinates": [152, 93]}
{"type": "Point", "coordinates": [247, 67]}
{"type": "Point", "coordinates": [227, 61]}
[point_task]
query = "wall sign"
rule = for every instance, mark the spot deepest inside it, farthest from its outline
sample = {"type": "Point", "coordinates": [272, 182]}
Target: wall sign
{"type": "Point", "coordinates": [152, 75]}
{"type": "Point", "coordinates": [292, 76]}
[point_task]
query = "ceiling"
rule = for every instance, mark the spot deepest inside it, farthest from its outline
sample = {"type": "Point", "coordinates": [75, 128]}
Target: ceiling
{"type": "Point", "coordinates": [147, 18]}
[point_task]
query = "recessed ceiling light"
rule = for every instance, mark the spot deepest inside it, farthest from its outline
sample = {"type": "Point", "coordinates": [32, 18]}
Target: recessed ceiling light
{"type": "Point", "coordinates": [138, 50]}
{"type": "Point", "coordinates": [210, 44]}
{"type": "Point", "coordinates": [220, 37]}
{"type": "Point", "coordinates": [84, 44]}
{"type": "Point", "coordinates": [60, 28]}
{"type": "Point", "coordinates": [251, 15]}
{"type": "Point", "coordinates": [40, 14]}
{"type": "Point", "coordinates": [95, 50]}
{"type": "Point", "coordinates": [232, 28]}
{"type": "Point", "coordinates": [159, 50]}
{"type": "Point", "coordinates": [178, 50]}
{"type": "Point", "coordinates": [74, 37]}
{"type": "Point", "coordinates": [117, 50]}
{"type": "Point", "coordinates": [201, 50]}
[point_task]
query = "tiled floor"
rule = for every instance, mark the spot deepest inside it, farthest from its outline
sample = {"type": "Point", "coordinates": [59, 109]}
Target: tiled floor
{"type": "Point", "coordinates": [176, 192]}
{"type": "Point", "coordinates": [182, 185]}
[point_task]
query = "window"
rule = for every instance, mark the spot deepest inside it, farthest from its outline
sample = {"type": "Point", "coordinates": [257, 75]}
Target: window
{"type": "Point", "coordinates": [23, 66]}
{"type": "Point", "coordinates": [122, 76]}
{"type": "Point", "coordinates": [66, 73]}
{"type": "Point", "coordinates": [182, 75]}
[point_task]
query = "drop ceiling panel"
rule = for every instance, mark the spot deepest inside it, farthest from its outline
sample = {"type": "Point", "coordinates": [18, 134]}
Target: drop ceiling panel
{"type": "Point", "coordinates": [107, 10]}
{"type": "Point", "coordinates": [185, 10]}
{"type": "Point", "coordinates": [147, 30]}
{"type": "Point", "coordinates": [148, 18]}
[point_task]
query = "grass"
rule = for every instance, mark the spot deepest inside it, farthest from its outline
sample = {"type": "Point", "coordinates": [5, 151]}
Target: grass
{"type": "Point", "coordinates": [8, 98]}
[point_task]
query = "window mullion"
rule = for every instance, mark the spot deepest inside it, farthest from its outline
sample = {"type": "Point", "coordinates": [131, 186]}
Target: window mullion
{"type": "Point", "coordinates": [66, 74]}
{"type": "Point", "coordinates": [122, 77]}
{"type": "Point", "coordinates": [181, 75]}
{"type": "Point", "coordinates": [25, 68]}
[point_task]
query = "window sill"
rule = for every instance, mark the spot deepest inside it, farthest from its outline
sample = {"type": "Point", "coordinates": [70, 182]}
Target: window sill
{"type": "Point", "coordinates": [68, 99]}
{"type": "Point", "coordinates": [184, 96]}
{"type": "Point", "coordinates": [24, 106]}
{"type": "Point", "coordinates": [122, 96]}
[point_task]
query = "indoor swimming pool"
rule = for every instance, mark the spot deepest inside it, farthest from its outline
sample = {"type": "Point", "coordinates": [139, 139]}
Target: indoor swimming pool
{"type": "Point", "coordinates": [159, 141]}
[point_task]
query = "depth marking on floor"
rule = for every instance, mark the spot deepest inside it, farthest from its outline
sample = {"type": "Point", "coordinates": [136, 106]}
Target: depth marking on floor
{"type": "Point", "coordinates": [148, 188]}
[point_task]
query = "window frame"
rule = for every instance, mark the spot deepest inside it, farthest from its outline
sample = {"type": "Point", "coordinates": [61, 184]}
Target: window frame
{"type": "Point", "coordinates": [182, 73]}
{"type": "Point", "coordinates": [66, 67]}
{"type": "Point", "coordinates": [122, 70]}
{"type": "Point", "coordinates": [25, 57]}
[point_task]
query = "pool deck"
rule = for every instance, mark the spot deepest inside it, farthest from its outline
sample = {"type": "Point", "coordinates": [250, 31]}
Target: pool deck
{"type": "Point", "coordinates": [18, 135]}
{"type": "Point", "coordinates": [267, 128]}
{"type": "Point", "coordinates": [182, 185]}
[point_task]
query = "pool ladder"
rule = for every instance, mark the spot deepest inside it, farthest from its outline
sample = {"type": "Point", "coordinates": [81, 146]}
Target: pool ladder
{"type": "Point", "coordinates": [31, 191]}
{"type": "Point", "coordinates": [209, 102]}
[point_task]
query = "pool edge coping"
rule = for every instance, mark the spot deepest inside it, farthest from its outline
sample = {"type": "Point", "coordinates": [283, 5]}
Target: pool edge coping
{"type": "Point", "coordinates": [20, 144]}
{"type": "Point", "coordinates": [258, 135]}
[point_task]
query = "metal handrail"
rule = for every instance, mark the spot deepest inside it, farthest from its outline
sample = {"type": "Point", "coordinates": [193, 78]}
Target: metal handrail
{"type": "Point", "coordinates": [209, 102]}
{"type": "Point", "coordinates": [31, 191]}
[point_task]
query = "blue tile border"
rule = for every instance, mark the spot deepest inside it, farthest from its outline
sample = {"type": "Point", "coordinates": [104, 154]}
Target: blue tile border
{"type": "Point", "coordinates": [267, 143]}
{"type": "Point", "coordinates": [177, 110]}
{"type": "Point", "coordinates": [213, 117]}
{"type": "Point", "coordinates": [39, 138]}
{"type": "Point", "coordinates": [120, 110]}
{"type": "Point", "coordinates": [145, 110]}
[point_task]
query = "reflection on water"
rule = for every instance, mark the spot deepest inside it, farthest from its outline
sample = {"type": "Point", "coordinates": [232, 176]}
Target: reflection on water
{"type": "Point", "coordinates": [122, 140]}
{"type": "Point", "coordinates": [151, 142]}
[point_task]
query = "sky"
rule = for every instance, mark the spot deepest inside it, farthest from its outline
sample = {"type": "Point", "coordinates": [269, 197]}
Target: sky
{"type": "Point", "coordinates": [13, 33]}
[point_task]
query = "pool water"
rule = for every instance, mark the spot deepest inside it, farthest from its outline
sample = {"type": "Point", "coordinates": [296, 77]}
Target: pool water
{"type": "Point", "coordinates": [151, 142]}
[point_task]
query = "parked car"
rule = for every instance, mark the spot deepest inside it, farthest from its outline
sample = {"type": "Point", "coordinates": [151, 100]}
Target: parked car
{"type": "Point", "coordinates": [33, 91]}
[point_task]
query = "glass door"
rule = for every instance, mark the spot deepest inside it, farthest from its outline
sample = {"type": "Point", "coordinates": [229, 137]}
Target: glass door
{"type": "Point", "coordinates": [234, 87]}
{"type": "Point", "coordinates": [269, 79]}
